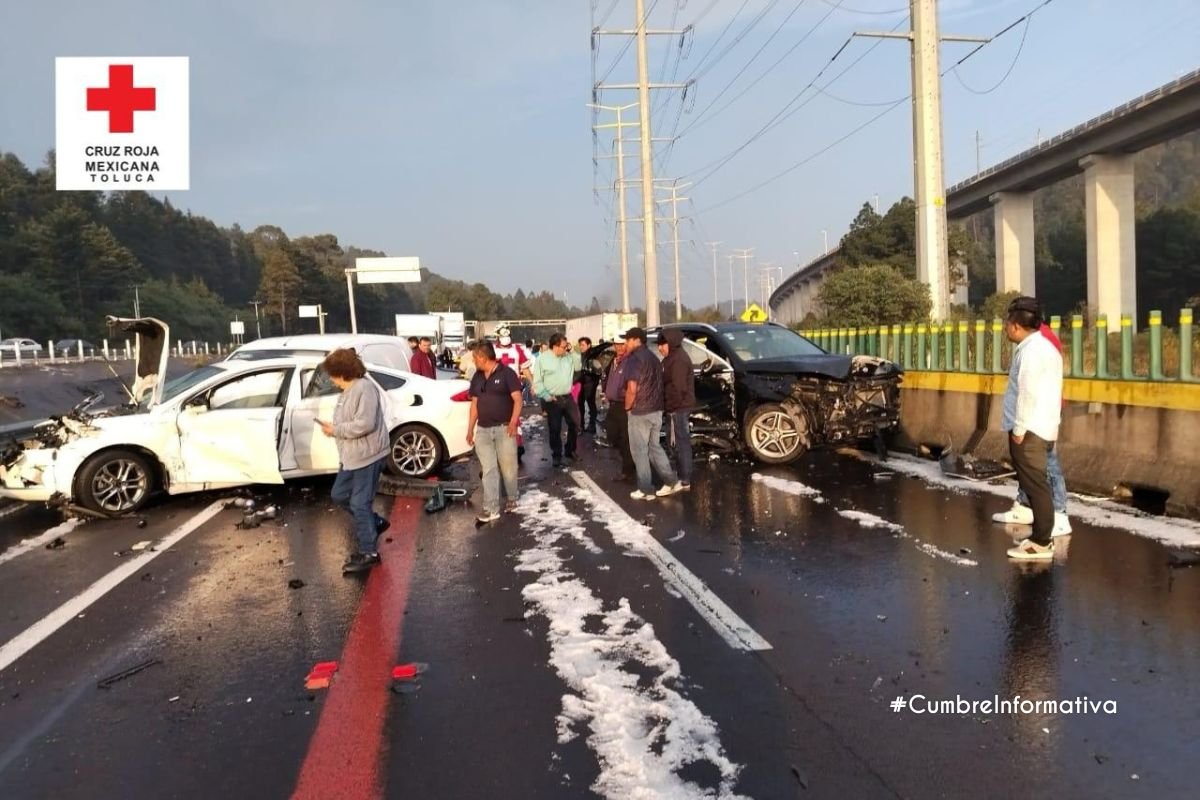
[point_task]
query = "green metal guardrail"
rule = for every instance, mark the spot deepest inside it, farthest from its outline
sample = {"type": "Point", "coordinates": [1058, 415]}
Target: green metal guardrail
{"type": "Point", "coordinates": [1155, 355]}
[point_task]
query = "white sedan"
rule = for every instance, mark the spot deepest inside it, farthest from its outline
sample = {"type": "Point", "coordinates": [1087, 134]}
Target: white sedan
{"type": "Point", "coordinates": [227, 424]}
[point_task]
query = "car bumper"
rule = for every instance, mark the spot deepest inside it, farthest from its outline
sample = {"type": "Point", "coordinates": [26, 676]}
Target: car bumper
{"type": "Point", "coordinates": [30, 477]}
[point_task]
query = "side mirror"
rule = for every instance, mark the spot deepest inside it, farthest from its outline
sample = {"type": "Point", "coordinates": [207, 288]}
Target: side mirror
{"type": "Point", "coordinates": [707, 366]}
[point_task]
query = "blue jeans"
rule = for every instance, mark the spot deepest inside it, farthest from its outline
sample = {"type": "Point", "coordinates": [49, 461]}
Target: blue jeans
{"type": "Point", "coordinates": [497, 453]}
{"type": "Point", "coordinates": [354, 490]}
{"type": "Point", "coordinates": [1058, 485]}
{"type": "Point", "coordinates": [647, 451]}
{"type": "Point", "coordinates": [681, 440]}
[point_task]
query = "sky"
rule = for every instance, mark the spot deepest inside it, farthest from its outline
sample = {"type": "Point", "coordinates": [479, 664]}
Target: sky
{"type": "Point", "coordinates": [458, 131]}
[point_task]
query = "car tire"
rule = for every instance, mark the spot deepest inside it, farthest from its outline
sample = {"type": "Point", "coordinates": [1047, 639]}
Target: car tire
{"type": "Point", "coordinates": [775, 436]}
{"type": "Point", "coordinates": [115, 482]}
{"type": "Point", "coordinates": [417, 452]}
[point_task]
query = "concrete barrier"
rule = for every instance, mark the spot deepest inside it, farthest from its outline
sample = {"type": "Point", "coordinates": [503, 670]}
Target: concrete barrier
{"type": "Point", "coordinates": [1115, 434]}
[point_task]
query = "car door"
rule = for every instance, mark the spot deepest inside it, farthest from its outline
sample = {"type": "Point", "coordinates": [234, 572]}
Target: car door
{"type": "Point", "coordinates": [229, 433]}
{"type": "Point", "coordinates": [312, 449]}
{"type": "Point", "coordinates": [714, 389]}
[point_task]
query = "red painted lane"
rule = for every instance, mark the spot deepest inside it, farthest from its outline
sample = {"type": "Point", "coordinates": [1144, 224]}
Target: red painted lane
{"type": "Point", "coordinates": [344, 755]}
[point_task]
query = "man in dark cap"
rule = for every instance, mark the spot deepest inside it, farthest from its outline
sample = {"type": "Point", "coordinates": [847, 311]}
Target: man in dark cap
{"type": "Point", "coordinates": [679, 394]}
{"type": "Point", "coordinates": [616, 421]}
{"type": "Point", "coordinates": [644, 403]}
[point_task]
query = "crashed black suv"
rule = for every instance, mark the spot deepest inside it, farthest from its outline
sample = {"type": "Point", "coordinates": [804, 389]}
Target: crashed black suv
{"type": "Point", "coordinates": [765, 389]}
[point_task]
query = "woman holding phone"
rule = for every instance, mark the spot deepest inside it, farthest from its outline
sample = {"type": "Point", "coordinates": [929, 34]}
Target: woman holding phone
{"type": "Point", "coordinates": [362, 442]}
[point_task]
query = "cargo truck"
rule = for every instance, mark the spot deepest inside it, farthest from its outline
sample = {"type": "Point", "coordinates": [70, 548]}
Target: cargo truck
{"type": "Point", "coordinates": [601, 327]}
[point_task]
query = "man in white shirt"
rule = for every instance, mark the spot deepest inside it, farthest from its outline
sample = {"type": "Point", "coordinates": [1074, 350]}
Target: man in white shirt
{"type": "Point", "coordinates": [1032, 414]}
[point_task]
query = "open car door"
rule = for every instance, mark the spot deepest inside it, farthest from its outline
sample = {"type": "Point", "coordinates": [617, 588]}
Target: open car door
{"type": "Point", "coordinates": [229, 434]}
{"type": "Point", "coordinates": [715, 393]}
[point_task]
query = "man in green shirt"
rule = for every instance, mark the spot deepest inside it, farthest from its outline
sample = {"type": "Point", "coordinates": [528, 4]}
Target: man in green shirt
{"type": "Point", "coordinates": [553, 375]}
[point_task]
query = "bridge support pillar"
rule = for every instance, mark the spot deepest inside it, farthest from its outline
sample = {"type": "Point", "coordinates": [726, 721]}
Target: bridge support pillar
{"type": "Point", "coordinates": [1111, 251]}
{"type": "Point", "coordinates": [1014, 242]}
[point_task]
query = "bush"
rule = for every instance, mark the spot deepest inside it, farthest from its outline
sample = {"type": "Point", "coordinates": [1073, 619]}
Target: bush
{"type": "Point", "coordinates": [877, 294]}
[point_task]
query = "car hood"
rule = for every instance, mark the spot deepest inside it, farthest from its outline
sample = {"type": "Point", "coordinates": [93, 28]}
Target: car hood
{"type": "Point", "coordinates": [152, 349]}
{"type": "Point", "coordinates": [831, 366]}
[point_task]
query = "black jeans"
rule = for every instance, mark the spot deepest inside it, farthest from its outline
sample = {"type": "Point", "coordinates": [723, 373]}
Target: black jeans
{"type": "Point", "coordinates": [1029, 460]}
{"type": "Point", "coordinates": [587, 400]}
{"type": "Point", "coordinates": [558, 409]}
{"type": "Point", "coordinates": [616, 426]}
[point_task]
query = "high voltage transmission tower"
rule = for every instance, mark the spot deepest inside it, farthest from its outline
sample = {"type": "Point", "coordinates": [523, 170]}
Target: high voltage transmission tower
{"type": "Point", "coordinates": [643, 87]}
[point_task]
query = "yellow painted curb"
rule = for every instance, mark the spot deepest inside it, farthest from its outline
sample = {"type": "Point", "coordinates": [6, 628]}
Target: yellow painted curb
{"type": "Point", "coordinates": [1178, 396]}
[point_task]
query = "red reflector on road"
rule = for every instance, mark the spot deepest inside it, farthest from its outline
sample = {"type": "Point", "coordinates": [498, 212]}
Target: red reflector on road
{"type": "Point", "coordinates": [404, 672]}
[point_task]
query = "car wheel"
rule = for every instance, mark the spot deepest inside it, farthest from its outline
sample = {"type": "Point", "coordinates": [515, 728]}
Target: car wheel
{"type": "Point", "coordinates": [416, 452]}
{"type": "Point", "coordinates": [115, 482]}
{"type": "Point", "coordinates": [774, 436]}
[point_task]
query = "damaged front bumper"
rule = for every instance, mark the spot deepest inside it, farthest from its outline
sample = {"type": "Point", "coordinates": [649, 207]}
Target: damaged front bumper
{"type": "Point", "coordinates": [30, 477]}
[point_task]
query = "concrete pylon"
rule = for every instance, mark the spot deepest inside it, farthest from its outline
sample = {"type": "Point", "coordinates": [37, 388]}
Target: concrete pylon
{"type": "Point", "coordinates": [1014, 242]}
{"type": "Point", "coordinates": [1111, 250]}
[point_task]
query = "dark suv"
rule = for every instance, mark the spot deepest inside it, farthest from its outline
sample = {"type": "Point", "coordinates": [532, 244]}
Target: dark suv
{"type": "Point", "coordinates": [768, 390]}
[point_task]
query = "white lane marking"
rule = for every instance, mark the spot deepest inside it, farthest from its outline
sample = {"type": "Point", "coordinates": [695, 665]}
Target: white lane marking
{"type": "Point", "coordinates": [627, 532]}
{"type": "Point", "coordinates": [624, 686]}
{"type": "Point", "coordinates": [35, 634]}
{"type": "Point", "coordinates": [29, 545]}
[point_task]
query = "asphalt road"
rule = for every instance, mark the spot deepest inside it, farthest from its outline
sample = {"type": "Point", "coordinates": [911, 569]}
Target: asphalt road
{"type": "Point", "coordinates": [748, 638]}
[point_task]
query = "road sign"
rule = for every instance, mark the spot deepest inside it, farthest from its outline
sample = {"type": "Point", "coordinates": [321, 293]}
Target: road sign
{"type": "Point", "coordinates": [310, 312]}
{"type": "Point", "coordinates": [754, 313]}
{"type": "Point", "coordinates": [399, 269]}
{"type": "Point", "coordinates": [237, 329]}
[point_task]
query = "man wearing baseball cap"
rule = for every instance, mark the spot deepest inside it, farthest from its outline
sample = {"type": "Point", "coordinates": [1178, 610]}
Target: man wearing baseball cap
{"type": "Point", "coordinates": [616, 421]}
{"type": "Point", "coordinates": [644, 402]}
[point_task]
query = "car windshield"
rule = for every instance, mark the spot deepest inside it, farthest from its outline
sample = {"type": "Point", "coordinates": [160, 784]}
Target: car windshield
{"type": "Point", "coordinates": [768, 341]}
{"type": "Point", "coordinates": [183, 383]}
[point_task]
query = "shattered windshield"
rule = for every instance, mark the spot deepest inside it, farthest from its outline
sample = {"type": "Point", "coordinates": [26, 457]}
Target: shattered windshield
{"type": "Point", "coordinates": [183, 383]}
{"type": "Point", "coordinates": [755, 344]}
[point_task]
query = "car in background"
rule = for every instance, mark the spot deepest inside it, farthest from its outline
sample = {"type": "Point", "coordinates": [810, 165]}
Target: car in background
{"type": "Point", "coordinates": [66, 348]}
{"type": "Point", "coordinates": [385, 351]}
{"type": "Point", "coordinates": [27, 347]}
{"type": "Point", "coordinates": [768, 391]}
{"type": "Point", "coordinates": [222, 425]}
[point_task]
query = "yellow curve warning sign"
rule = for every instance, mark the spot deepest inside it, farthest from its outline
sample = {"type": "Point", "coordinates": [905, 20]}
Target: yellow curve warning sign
{"type": "Point", "coordinates": [754, 313]}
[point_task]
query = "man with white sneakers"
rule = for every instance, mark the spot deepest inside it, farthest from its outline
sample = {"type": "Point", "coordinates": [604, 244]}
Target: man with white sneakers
{"type": "Point", "coordinates": [1032, 415]}
{"type": "Point", "coordinates": [644, 403]}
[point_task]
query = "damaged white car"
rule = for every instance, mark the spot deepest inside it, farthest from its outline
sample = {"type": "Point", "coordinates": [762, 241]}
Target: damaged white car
{"type": "Point", "coordinates": [231, 423]}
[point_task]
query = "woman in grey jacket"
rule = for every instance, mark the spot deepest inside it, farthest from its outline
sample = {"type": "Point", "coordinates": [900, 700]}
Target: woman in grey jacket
{"type": "Point", "coordinates": [363, 443]}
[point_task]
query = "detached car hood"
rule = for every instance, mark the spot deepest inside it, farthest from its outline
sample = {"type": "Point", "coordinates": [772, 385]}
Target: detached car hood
{"type": "Point", "coordinates": [830, 366]}
{"type": "Point", "coordinates": [152, 349]}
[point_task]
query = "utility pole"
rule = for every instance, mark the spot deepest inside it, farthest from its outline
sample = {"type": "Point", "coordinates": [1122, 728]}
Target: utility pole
{"type": "Point", "coordinates": [137, 302]}
{"type": "Point", "coordinates": [825, 240]}
{"type": "Point", "coordinates": [731, 257]}
{"type": "Point", "coordinates": [978, 154]}
{"type": "Point", "coordinates": [933, 266]}
{"type": "Point", "coordinates": [257, 321]}
{"type": "Point", "coordinates": [643, 88]}
{"type": "Point", "coordinates": [716, 292]}
{"type": "Point", "coordinates": [675, 201]}
{"type": "Point", "coordinates": [745, 254]}
{"type": "Point", "coordinates": [622, 222]}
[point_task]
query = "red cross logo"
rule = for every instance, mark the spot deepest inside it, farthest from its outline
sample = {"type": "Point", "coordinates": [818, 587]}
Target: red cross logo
{"type": "Point", "coordinates": [120, 99]}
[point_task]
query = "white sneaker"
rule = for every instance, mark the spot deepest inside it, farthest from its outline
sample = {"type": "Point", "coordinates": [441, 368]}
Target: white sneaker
{"type": "Point", "coordinates": [638, 494]}
{"type": "Point", "coordinates": [1030, 550]}
{"type": "Point", "coordinates": [667, 491]}
{"type": "Point", "coordinates": [1017, 515]}
{"type": "Point", "coordinates": [1062, 524]}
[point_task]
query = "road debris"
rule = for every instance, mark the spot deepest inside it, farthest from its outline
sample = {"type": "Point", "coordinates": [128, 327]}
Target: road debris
{"type": "Point", "coordinates": [141, 545]}
{"type": "Point", "coordinates": [104, 683]}
{"type": "Point", "coordinates": [677, 536]}
{"type": "Point", "coordinates": [295, 583]}
{"type": "Point", "coordinates": [320, 676]}
{"type": "Point", "coordinates": [57, 544]}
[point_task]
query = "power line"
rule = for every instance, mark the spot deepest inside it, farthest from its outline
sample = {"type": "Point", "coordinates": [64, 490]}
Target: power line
{"type": "Point", "coordinates": [702, 120]}
{"type": "Point", "coordinates": [624, 49]}
{"type": "Point", "coordinates": [857, 129]}
{"type": "Point", "coordinates": [787, 111]}
{"type": "Point", "coordinates": [753, 58]}
{"type": "Point", "coordinates": [717, 41]}
{"type": "Point", "coordinates": [812, 157]}
{"type": "Point", "coordinates": [839, 6]}
{"type": "Point", "coordinates": [1007, 72]}
{"type": "Point", "coordinates": [738, 39]}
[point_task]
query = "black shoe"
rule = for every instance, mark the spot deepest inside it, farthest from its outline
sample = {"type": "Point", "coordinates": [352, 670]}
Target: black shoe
{"type": "Point", "coordinates": [381, 526]}
{"type": "Point", "coordinates": [360, 562]}
{"type": "Point", "coordinates": [557, 462]}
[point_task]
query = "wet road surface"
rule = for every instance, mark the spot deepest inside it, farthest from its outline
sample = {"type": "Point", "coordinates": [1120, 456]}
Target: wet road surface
{"type": "Point", "coordinates": [563, 663]}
